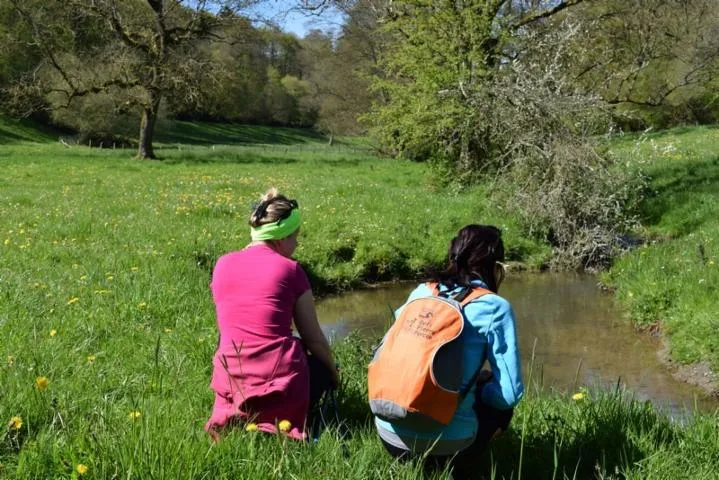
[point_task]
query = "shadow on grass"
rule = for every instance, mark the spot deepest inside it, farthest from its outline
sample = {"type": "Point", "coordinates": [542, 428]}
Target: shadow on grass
{"type": "Point", "coordinates": [555, 437]}
{"type": "Point", "coordinates": [226, 157]}
{"type": "Point", "coordinates": [677, 187]}
{"type": "Point", "coordinates": [200, 133]}
{"type": "Point", "coordinates": [608, 447]}
{"type": "Point", "coordinates": [17, 131]}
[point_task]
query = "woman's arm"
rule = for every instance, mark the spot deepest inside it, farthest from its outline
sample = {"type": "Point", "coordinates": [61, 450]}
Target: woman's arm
{"type": "Point", "coordinates": [505, 388]}
{"type": "Point", "coordinates": [309, 329]}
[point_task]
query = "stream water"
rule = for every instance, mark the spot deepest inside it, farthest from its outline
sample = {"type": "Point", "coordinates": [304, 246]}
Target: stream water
{"type": "Point", "coordinates": [578, 337]}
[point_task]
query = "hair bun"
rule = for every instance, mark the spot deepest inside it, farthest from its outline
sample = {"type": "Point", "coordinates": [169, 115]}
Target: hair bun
{"type": "Point", "coordinates": [270, 195]}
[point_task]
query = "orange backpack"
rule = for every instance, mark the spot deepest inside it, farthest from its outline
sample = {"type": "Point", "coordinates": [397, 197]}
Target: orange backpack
{"type": "Point", "coordinates": [415, 377]}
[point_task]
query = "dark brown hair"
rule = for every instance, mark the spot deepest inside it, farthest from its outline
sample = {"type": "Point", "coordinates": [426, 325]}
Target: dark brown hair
{"type": "Point", "coordinates": [473, 255]}
{"type": "Point", "coordinates": [271, 208]}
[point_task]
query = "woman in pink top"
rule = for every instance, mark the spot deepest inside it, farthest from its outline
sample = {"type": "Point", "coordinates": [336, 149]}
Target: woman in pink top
{"type": "Point", "coordinates": [262, 373]}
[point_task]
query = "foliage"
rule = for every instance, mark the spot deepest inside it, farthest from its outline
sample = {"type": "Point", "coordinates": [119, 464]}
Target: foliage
{"type": "Point", "coordinates": [488, 96]}
{"type": "Point", "coordinates": [656, 59]}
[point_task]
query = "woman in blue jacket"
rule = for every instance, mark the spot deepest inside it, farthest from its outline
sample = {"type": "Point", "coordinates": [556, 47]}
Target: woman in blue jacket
{"type": "Point", "coordinates": [475, 260]}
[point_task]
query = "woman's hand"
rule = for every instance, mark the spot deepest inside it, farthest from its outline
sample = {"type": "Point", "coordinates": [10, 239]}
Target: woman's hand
{"type": "Point", "coordinates": [484, 376]}
{"type": "Point", "coordinates": [311, 334]}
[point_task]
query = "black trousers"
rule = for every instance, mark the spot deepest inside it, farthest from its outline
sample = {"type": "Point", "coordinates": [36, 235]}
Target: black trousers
{"type": "Point", "coordinates": [320, 379]}
{"type": "Point", "coordinates": [463, 465]}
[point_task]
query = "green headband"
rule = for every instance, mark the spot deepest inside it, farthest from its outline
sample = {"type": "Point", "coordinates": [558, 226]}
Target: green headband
{"type": "Point", "coordinates": [278, 230]}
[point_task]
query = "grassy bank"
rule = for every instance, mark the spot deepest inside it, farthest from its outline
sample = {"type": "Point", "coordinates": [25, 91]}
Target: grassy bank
{"type": "Point", "coordinates": [143, 419]}
{"type": "Point", "coordinates": [107, 326]}
{"type": "Point", "coordinates": [671, 283]}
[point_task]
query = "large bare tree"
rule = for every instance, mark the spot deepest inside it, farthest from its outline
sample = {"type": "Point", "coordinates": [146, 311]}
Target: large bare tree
{"type": "Point", "coordinates": [141, 48]}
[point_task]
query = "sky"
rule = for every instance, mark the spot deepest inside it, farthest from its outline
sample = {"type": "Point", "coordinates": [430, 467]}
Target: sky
{"type": "Point", "coordinates": [290, 18]}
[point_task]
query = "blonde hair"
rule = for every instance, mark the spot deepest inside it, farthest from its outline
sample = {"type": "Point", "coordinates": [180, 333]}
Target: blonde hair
{"type": "Point", "coordinates": [271, 208]}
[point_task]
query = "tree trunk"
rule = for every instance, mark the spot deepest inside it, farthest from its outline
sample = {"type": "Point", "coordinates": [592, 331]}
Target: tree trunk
{"type": "Point", "coordinates": [147, 127]}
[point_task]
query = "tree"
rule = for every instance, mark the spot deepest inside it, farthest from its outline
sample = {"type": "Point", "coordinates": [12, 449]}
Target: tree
{"type": "Point", "coordinates": [141, 50]}
{"type": "Point", "coordinates": [482, 89]}
{"type": "Point", "coordinates": [649, 54]}
{"type": "Point", "coordinates": [440, 54]}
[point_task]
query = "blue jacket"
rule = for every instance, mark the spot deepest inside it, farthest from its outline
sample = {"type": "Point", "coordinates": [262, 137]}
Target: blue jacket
{"type": "Point", "coordinates": [492, 337]}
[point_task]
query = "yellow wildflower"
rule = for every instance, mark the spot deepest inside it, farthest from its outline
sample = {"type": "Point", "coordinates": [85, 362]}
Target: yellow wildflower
{"type": "Point", "coordinates": [81, 469]}
{"type": "Point", "coordinates": [135, 414]}
{"type": "Point", "coordinates": [134, 269]}
{"type": "Point", "coordinates": [15, 423]}
{"type": "Point", "coordinates": [91, 358]}
{"type": "Point", "coordinates": [10, 360]}
{"type": "Point", "coordinates": [110, 278]}
{"type": "Point", "coordinates": [41, 383]}
{"type": "Point", "coordinates": [168, 330]}
{"type": "Point", "coordinates": [578, 396]}
{"type": "Point", "coordinates": [251, 427]}
{"type": "Point", "coordinates": [53, 332]}
{"type": "Point", "coordinates": [141, 305]}
{"type": "Point", "coordinates": [73, 300]}
{"type": "Point", "coordinates": [285, 426]}
{"type": "Point", "coordinates": [711, 263]}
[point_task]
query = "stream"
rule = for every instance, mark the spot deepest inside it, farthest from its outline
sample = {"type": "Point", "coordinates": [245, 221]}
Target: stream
{"type": "Point", "coordinates": [578, 336]}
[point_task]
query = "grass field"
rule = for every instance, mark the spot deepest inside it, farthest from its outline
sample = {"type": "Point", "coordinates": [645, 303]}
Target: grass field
{"type": "Point", "coordinates": [108, 328]}
{"type": "Point", "coordinates": [671, 282]}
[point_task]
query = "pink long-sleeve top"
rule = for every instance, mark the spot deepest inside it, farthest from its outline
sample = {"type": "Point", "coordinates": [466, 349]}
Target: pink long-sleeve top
{"type": "Point", "coordinates": [260, 371]}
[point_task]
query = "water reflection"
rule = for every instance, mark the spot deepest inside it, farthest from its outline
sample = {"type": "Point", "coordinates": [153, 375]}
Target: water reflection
{"type": "Point", "coordinates": [577, 334]}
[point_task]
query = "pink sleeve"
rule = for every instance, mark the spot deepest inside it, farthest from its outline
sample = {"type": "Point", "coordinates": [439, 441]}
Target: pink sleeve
{"type": "Point", "coordinates": [302, 283]}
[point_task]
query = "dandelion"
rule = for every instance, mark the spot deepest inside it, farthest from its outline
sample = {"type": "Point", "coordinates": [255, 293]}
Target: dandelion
{"type": "Point", "coordinates": [81, 469]}
{"type": "Point", "coordinates": [251, 427]}
{"type": "Point", "coordinates": [41, 383]}
{"type": "Point", "coordinates": [10, 360]}
{"type": "Point", "coordinates": [53, 332]}
{"type": "Point", "coordinates": [579, 396]}
{"type": "Point", "coordinates": [711, 263]}
{"type": "Point", "coordinates": [631, 294]}
{"type": "Point", "coordinates": [135, 414]}
{"type": "Point", "coordinates": [134, 269]}
{"type": "Point", "coordinates": [168, 330]}
{"type": "Point", "coordinates": [73, 300]}
{"type": "Point", "coordinates": [15, 423]}
{"type": "Point", "coordinates": [91, 358]}
{"type": "Point", "coordinates": [141, 305]}
{"type": "Point", "coordinates": [285, 426]}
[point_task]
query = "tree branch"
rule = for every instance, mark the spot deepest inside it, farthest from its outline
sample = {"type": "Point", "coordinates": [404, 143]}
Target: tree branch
{"type": "Point", "coordinates": [538, 15]}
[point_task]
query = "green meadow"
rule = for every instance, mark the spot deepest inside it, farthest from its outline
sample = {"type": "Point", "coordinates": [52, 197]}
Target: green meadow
{"type": "Point", "coordinates": [107, 325]}
{"type": "Point", "coordinates": [670, 283]}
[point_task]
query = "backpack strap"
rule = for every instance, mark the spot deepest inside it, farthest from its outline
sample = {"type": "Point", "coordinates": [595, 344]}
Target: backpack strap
{"type": "Point", "coordinates": [470, 295]}
{"type": "Point", "coordinates": [464, 297]}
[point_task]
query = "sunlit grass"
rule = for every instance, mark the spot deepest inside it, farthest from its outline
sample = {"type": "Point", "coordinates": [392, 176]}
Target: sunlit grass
{"type": "Point", "coordinates": [107, 326]}
{"type": "Point", "coordinates": [672, 281]}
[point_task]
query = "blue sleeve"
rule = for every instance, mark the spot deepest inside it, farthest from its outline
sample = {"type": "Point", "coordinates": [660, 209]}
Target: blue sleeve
{"type": "Point", "coordinates": [421, 291]}
{"type": "Point", "coordinates": [505, 389]}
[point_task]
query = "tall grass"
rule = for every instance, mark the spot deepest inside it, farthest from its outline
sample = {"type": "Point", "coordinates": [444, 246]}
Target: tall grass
{"type": "Point", "coordinates": [104, 267]}
{"type": "Point", "coordinates": [670, 283]}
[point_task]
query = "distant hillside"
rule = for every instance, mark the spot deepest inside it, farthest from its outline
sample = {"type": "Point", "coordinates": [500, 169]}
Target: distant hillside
{"type": "Point", "coordinates": [189, 133]}
{"type": "Point", "coordinates": [12, 131]}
